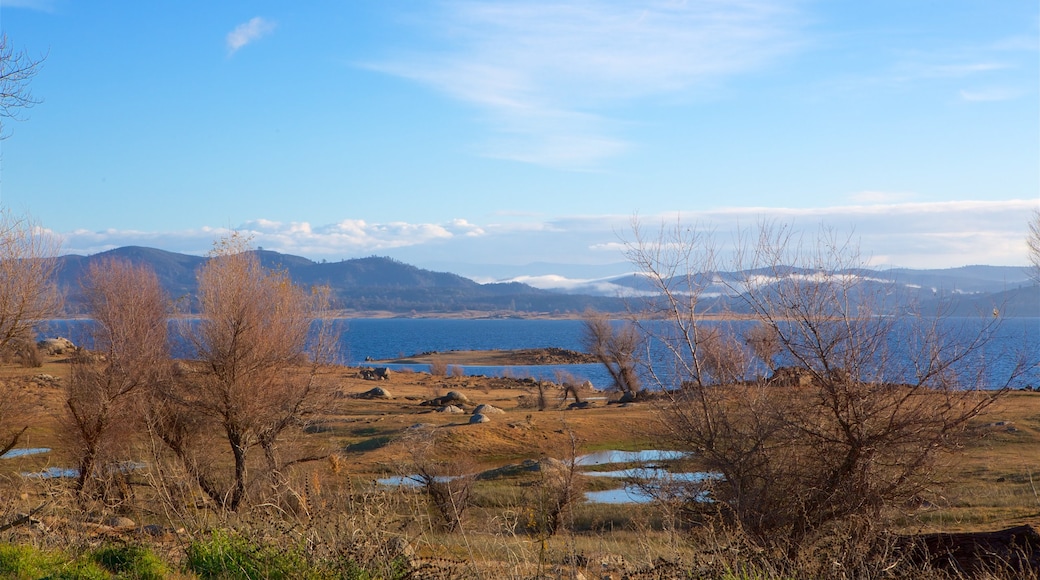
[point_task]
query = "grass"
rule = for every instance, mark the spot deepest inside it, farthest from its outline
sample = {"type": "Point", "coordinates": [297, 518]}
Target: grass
{"type": "Point", "coordinates": [992, 483]}
{"type": "Point", "coordinates": [29, 562]}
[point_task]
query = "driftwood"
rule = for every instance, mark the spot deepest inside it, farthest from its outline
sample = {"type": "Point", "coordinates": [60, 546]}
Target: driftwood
{"type": "Point", "coordinates": [1012, 550]}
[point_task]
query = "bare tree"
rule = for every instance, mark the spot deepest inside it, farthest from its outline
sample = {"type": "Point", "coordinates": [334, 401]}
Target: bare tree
{"type": "Point", "coordinates": [884, 398]}
{"type": "Point", "coordinates": [17, 68]}
{"type": "Point", "coordinates": [27, 291]}
{"type": "Point", "coordinates": [258, 351]}
{"type": "Point", "coordinates": [617, 347]}
{"type": "Point", "coordinates": [130, 357]}
{"type": "Point", "coordinates": [27, 297]}
{"type": "Point", "coordinates": [1033, 243]}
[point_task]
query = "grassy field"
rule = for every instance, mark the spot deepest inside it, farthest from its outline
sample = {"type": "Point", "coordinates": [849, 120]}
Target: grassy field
{"type": "Point", "coordinates": [335, 507]}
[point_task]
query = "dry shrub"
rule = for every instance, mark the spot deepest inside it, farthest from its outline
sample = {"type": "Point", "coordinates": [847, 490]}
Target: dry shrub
{"type": "Point", "coordinates": [15, 406]}
{"type": "Point", "coordinates": [616, 347]}
{"type": "Point", "coordinates": [445, 479]}
{"type": "Point", "coordinates": [438, 368]}
{"type": "Point", "coordinates": [884, 397]}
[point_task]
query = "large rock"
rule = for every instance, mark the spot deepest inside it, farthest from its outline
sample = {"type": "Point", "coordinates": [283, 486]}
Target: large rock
{"type": "Point", "coordinates": [487, 410]}
{"type": "Point", "coordinates": [376, 374]}
{"type": "Point", "coordinates": [56, 346]}
{"type": "Point", "coordinates": [451, 409]}
{"type": "Point", "coordinates": [456, 397]}
{"type": "Point", "coordinates": [479, 418]}
{"type": "Point", "coordinates": [376, 393]}
{"type": "Point", "coordinates": [451, 398]}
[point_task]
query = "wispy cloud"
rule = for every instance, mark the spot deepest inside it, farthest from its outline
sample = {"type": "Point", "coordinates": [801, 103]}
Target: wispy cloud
{"type": "Point", "coordinates": [990, 95]}
{"type": "Point", "coordinates": [247, 32]}
{"type": "Point", "coordinates": [546, 74]}
{"type": "Point", "coordinates": [40, 5]}
{"type": "Point", "coordinates": [921, 234]}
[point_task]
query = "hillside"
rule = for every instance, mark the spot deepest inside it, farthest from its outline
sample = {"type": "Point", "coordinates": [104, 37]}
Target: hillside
{"type": "Point", "coordinates": [379, 284]}
{"type": "Point", "coordinates": [362, 284]}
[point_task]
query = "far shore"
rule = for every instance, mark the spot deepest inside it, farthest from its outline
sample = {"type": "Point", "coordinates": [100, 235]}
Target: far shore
{"type": "Point", "coordinates": [524, 357]}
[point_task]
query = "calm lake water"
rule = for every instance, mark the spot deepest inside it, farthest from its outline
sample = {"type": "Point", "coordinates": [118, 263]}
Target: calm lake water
{"type": "Point", "coordinates": [397, 337]}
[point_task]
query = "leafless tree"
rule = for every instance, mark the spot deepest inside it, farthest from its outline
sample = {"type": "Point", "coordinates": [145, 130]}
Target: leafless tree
{"type": "Point", "coordinates": [259, 345]}
{"type": "Point", "coordinates": [27, 291]}
{"type": "Point", "coordinates": [129, 357]}
{"type": "Point", "coordinates": [17, 68]}
{"type": "Point", "coordinates": [1033, 243]}
{"type": "Point", "coordinates": [27, 297]}
{"type": "Point", "coordinates": [885, 396]}
{"type": "Point", "coordinates": [617, 347]}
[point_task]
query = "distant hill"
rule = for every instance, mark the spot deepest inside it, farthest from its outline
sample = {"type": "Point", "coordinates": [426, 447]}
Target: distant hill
{"type": "Point", "coordinates": [363, 284]}
{"type": "Point", "coordinates": [383, 284]}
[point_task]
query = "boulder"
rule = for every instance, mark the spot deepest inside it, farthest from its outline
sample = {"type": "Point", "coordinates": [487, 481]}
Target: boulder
{"type": "Point", "coordinates": [456, 397]}
{"type": "Point", "coordinates": [479, 418]}
{"type": "Point", "coordinates": [376, 393]}
{"type": "Point", "coordinates": [56, 346]}
{"type": "Point", "coordinates": [451, 398]}
{"type": "Point", "coordinates": [487, 410]}
{"type": "Point", "coordinates": [451, 409]}
{"type": "Point", "coordinates": [375, 374]}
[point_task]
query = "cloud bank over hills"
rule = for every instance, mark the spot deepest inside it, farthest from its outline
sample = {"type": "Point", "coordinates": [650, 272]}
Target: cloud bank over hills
{"type": "Point", "coordinates": [587, 247]}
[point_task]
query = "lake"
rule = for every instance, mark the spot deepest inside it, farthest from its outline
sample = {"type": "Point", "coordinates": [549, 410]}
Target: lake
{"type": "Point", "coordinates": [385, 338]}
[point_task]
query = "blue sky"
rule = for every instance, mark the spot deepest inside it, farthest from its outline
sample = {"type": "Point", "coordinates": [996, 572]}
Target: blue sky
{"type": "Point", "coordinates": [486, 136]}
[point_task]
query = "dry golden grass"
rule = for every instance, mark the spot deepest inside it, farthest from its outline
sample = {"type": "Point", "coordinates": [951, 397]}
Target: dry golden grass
{"type": "Point", "coordinates": [992, 483]}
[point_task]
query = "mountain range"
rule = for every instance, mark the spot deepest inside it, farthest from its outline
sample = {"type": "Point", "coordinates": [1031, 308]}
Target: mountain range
{"type": "Point", "coordinates": [379, 284]}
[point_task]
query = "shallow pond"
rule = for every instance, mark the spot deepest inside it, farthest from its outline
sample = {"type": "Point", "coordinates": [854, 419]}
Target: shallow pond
{"type": "Point", "coordinates": [24, 452]}
{"type": "Point", "coordinates": [614, 456]}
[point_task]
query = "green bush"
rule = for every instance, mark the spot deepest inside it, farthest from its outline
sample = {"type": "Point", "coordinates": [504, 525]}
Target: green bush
{"type": "Point", "coordinates": [27, 562]}
{"type": "Point", "coordinates": [131, 562]}
{"type": "Point", "coordinates": [228, 556]}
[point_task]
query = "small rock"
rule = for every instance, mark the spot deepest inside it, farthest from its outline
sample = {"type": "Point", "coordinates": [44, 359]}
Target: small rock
{"type": "Point", "coordinates": [154, 530]}
{"type": "Point", "coordinates": [451, 409]}
{"type": "Point", "coordinates": [487, 410]}
{"type": "Point", "coordinates": [120, 522]}
{"type": "Point", "coordinates": [479, 418]}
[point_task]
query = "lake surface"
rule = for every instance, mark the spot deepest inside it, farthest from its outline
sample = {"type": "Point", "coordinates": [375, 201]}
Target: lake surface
{"type": "Point", "coordinates": [396, 337]}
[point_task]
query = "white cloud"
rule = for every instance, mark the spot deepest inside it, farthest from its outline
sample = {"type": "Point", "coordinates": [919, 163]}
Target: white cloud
{"type": "Point", "coordinates": [544, 72]}
{"type": "Point", "coordinates": [248, 32]}
{"type": "Point", "coordinates": [989, 95]}
{"type": "Point", "coordinates": [920, 234]}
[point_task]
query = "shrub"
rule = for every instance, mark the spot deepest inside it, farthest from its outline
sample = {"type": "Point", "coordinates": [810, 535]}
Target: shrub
{"type": "Point", "coordinates": [229, 556]}
{"type": "Point", "coordinates": [134, 562]}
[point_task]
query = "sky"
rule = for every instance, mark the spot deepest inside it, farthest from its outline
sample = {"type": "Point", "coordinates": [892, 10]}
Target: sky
{"type": "Point", "coordinates": [498, 139]}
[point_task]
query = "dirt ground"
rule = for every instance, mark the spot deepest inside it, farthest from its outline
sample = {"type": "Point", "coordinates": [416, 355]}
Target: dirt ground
{"type": "Point", "coordinates": [992, 483]}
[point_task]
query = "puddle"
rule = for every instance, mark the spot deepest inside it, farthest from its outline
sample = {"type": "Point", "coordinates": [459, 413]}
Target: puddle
{"type": "Point", "coordinates": [61, 472]}
{"type": "Point", "coordinates": [411, 480]}
{"type": "Point", "coordinates": [52, 473]}
{"type": "Point", "coordinates": [645, 481]}
{"type": "Point", "coordinates": [24, 452]}
{"type": "Point", "coordinates": [660, 483]}
{"type": "Point", "coordinates": [614, 456]}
